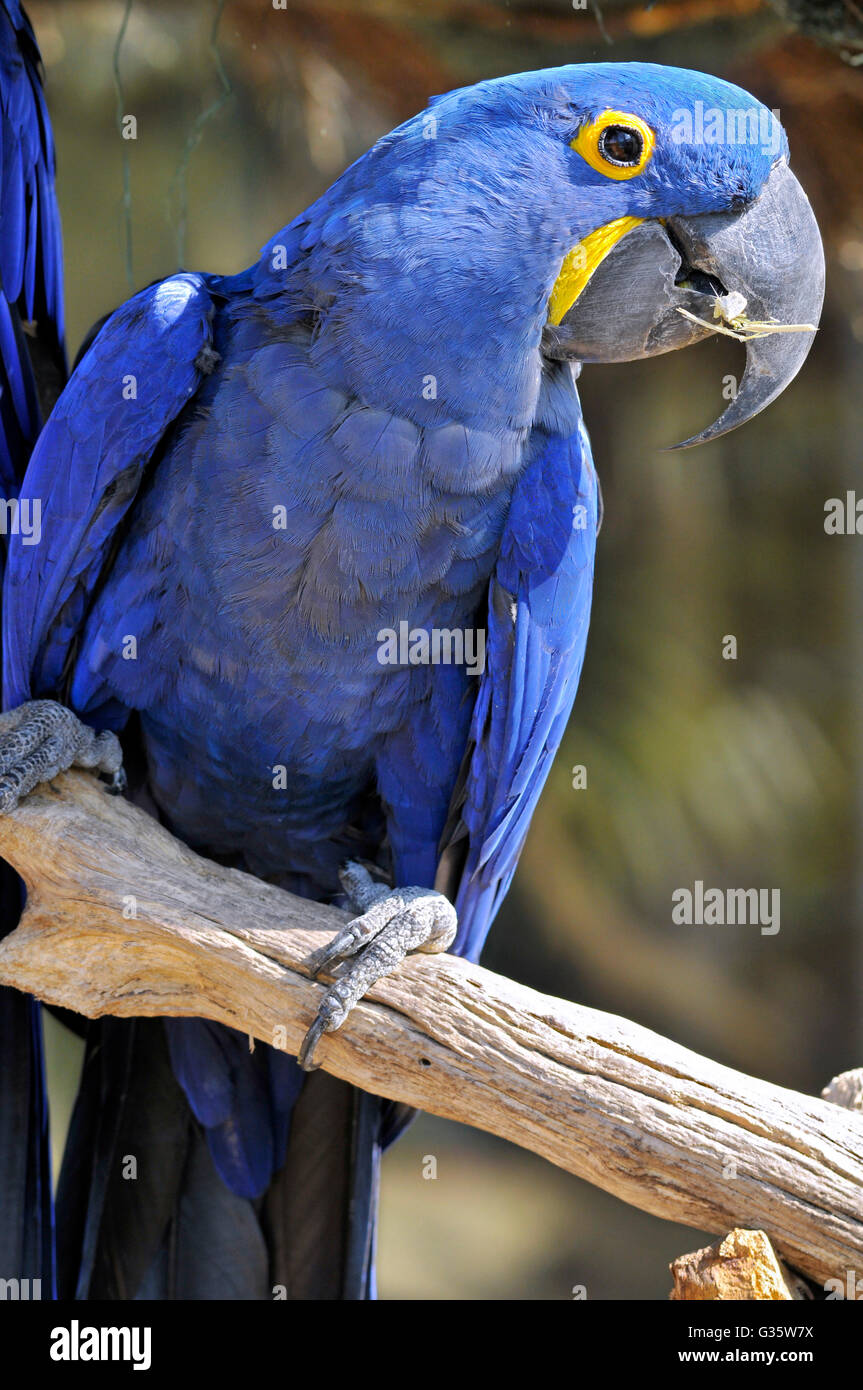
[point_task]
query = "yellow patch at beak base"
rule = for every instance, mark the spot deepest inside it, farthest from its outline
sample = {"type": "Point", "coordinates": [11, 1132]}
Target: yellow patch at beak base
{"type": "Point", "coordinates": [580, 263]}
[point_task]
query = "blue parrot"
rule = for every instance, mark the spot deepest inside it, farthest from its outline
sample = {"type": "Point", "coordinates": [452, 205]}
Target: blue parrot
{"type": "Point", "coordinates": [252, 489]}
{"type": "Point", "coordinates": [32, 373]}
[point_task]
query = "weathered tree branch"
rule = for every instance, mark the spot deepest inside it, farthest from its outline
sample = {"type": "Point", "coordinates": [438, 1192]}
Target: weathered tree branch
{"type": "Point", "coordinates": [651, 1122]}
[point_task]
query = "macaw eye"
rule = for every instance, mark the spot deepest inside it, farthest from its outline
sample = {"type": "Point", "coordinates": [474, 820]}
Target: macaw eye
{"type": "Point", "coordinates": [621, 145]}
{"type": "Point", "coordinates": [616, 144]}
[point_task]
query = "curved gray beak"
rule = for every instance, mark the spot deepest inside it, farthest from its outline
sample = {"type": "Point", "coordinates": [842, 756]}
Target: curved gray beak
{"type": "Point", "coordinates": [770, 253]}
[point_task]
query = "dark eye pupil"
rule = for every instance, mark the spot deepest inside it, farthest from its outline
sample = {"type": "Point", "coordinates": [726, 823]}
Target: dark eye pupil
{"type": "Point", "coordinates": [620, 145]}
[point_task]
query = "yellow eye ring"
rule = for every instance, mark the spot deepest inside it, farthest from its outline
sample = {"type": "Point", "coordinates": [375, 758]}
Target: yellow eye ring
{"type": "Point", "coordinates": [589, 143]}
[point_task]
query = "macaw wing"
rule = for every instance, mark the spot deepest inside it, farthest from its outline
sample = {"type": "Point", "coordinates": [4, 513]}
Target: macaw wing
{"type": "Point", "coordinates": [143, 367]}
{"type": "Point", "coordinates": [32, 370]}
{"type": "Point", "coordinates": [31, 256]}
{"type": "Point", "coordinates": [538, 614]}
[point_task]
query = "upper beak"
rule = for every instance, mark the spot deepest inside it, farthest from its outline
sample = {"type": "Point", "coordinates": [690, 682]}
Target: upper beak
{"type": "Point", "coordinates": [770, 253]}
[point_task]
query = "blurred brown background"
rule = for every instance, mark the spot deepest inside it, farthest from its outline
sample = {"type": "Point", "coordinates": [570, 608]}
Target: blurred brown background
{"type": "Point", "coordinates": [740, 773]}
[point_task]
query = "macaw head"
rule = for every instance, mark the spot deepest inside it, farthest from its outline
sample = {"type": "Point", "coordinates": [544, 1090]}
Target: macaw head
{"type": "Point", "coordinates": [712, 231]}
{"type": "Point", "coordinates": [597, 213]}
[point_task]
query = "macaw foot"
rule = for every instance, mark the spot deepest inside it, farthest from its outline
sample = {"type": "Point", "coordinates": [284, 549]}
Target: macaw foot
{"type": "Point", "coordinates": [391, 925]}
{"type": "Point", "coordinates": [40, 739]}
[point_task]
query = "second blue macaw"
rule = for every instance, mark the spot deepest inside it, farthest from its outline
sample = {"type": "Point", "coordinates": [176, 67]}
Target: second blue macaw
{"type": "Point", "coordinates": [32, 372]}
{"type": "Point", "coordinates": [247, 483]}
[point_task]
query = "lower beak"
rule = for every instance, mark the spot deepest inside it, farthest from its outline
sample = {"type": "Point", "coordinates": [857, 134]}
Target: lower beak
{"type": "Point", "coordinates": [768, 255]}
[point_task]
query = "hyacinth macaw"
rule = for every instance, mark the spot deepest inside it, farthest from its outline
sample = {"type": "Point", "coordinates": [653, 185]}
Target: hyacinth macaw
{"type": "Point", "coordinates": [32, 371]}
{"type": "Point", "coordinates": [247, 481]}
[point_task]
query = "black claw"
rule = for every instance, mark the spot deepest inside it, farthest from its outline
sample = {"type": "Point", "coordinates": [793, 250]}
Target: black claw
{"type": "Point", "coordinates": [116, 782]}
{"type": "Point", "coordinates": [305, 1056]}
{"type": "Point", "coordinates": [316, 961]}
{"type": "Point", "coordinates": [325, 957]}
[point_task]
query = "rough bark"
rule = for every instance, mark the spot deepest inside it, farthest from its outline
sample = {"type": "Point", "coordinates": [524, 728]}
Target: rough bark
{"type": "Point", "coordinates": [657, 1125]}
{"type": "Point", "coordinates": [741, 1268]}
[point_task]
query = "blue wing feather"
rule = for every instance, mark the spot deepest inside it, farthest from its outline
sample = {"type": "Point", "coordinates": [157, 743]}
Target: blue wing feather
{"type": "Point", "coordinates": [538, 613]}
{"type": "Point", "coordinates": [30, 289]}
{"type": "Point", "coordinates": [141, 371]}
{"type": "Point", "coordinates": [31, 269]}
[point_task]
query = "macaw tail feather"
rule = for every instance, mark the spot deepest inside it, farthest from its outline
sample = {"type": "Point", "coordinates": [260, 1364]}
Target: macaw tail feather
{"type": "Point", "coordinates": [26, 1217]}
{"type": "Point", "coordinates": [143, 1212]}
{"type": "Point", "coordinates": [320, 1211]}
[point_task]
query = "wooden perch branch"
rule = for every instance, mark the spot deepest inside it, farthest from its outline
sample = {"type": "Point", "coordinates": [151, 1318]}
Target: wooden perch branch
{"type": "Point", "coordinates": [651, 1122]}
